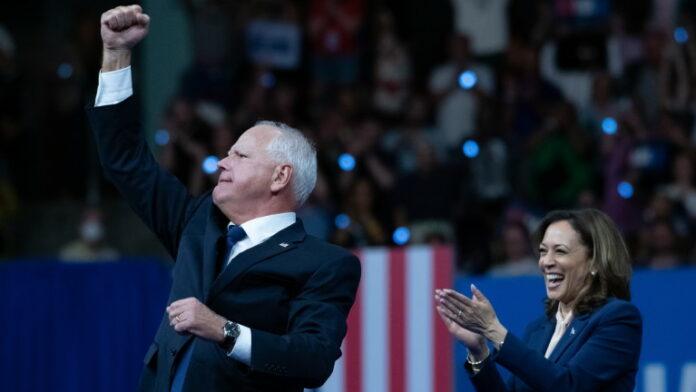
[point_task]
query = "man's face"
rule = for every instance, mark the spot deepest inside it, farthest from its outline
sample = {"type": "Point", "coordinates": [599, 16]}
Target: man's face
{"type": "Point", "coordinates": [245, 174]}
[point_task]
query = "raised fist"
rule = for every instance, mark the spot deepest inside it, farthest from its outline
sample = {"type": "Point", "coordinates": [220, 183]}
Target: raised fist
{"type": "Point", "coordinates": [123, 27]}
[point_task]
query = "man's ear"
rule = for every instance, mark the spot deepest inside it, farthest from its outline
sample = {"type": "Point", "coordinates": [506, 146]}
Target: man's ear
{"type": "Point", "coordinates": [281, 177]}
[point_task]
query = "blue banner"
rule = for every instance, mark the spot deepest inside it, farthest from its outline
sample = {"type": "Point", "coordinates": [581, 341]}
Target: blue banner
{"type": "Point", "coordinates": [78, 326]}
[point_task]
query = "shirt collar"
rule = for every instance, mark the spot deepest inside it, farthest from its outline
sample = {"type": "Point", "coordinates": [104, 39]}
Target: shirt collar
{"type": "Point", "coordinates": [565, 321]}
{"type": "Point", "coordinates": [262, 228]}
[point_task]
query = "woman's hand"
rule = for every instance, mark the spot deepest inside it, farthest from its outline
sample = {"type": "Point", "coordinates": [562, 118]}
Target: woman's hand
{"type": "Point", "coordinates": [476, 314]}
{"type": "Point", "coordinates": [475, 343]}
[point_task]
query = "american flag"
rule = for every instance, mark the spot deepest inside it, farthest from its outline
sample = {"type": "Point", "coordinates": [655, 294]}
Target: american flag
{"type": "Point", "coordinates": [396, 341]}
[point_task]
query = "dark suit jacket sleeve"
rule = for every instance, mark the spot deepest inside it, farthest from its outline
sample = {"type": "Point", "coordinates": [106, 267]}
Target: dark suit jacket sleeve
{"type": "Point", "coordinates": [611, 350]}
{"type": "Point", "coordinates": [488, 378]}
{"type": "Point", "coordinates": [160, 200]}
{"type": "Point", "coordinates": [316, 327]}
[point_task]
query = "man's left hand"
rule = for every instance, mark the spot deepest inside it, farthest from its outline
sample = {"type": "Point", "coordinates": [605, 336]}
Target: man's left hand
{"type": "Point", "coordinates": [192, 316]}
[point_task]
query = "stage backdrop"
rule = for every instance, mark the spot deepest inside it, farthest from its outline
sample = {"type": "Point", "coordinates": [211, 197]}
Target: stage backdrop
{"type": "Point", "coordinates": [85, 327]}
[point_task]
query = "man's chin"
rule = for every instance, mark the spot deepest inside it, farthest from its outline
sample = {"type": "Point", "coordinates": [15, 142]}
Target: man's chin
{"type": "Point", "coordinates": [217, 195]}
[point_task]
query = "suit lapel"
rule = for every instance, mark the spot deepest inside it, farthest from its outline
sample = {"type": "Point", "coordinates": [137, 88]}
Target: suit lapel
{"type": "Point", "coordinates": [281, 242]}
{"type": "Point", "coordinates": [541, 338]}
{"type": "Point", "coordinates": [213, 247]}
{"type": "Point", "coordinates": [572, 332]}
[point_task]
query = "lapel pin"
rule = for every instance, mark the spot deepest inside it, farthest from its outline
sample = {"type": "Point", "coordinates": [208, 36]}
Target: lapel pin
{"type": "Point", "coordinates": [572, 331]}
{"type": "Point", "coordinates": [284, 244]}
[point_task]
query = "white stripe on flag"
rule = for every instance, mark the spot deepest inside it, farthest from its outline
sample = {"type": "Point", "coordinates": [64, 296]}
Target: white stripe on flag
{"type": "Point", "coordinates": [395, 306]}
{"type": "Point", "coordinates": [419, 334]}
{"type": "Point", "coordinates": [375, 341]}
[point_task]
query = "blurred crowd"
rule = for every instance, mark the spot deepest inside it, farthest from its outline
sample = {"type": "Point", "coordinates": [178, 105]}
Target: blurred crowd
{"type": "Point", "coordinates": [447, 122]}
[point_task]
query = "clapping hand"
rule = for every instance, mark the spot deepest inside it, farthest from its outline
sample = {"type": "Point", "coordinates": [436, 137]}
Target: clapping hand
{"type": "Point", "coordinates": [471, 320]}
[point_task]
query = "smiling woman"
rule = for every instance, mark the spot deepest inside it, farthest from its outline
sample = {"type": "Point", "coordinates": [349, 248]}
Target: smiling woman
{"type": "Point", "coordinates": [590, 337]}
{"type": "Point", "coordinates": [573, 243]}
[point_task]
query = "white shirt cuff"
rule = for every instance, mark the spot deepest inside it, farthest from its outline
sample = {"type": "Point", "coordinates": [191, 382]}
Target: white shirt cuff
{"type": "Point", "coordinates": [114, 87]}
{"type": "Point", "coordinates": [242, 347]}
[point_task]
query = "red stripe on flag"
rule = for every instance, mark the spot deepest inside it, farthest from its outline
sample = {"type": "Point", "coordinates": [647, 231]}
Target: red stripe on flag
{"type": "Point", "coordinates": [442, 277]}
{"type": "Point", "coordinates": [353, 344]}
{"type": "Point", "coordinates": [397, 315]}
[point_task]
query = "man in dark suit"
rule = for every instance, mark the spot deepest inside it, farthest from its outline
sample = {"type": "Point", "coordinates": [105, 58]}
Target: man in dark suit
{"type": "Point", "coordinates": [262, 308]}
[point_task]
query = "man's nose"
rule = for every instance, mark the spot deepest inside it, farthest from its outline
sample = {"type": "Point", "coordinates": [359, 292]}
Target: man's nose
{"type": "Point", "coordinates": [223, 163]}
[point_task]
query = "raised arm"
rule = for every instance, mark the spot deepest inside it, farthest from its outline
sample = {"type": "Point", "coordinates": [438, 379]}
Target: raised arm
{"type": "Point", "coordinates": [160, 200]}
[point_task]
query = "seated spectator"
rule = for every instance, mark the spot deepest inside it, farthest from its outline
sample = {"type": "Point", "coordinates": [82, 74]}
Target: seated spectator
{"type": "Point", "coordinates": [615, 167]}
{"type": "Point", "coordinates": [556, 166]}
{"type": "Point", "coordinates": [603, 104]}
{"type": "Point", "coordinates": [333, 34]}
{"type": "Point", "coordinates": [518, 258]}
{"type": "Point", "coordinates": [425, 199]}
{"type": "Point", "coordinates": [392, 69]}
{"type": "Point", "coordinates": [402, 141]}
{"type": "Point", "coordinates": [316, 211]}
{"type": "Point", "coordinates": [90, 245]}
{"type": "Point", "coordinates": [490, 178]}
{"type": "Point", "coordinates": [363, 227]}
{"type": "Point", "coordinates": [188, 145]}
{"type": "Point", "coordinates": [456, 103]}
{"type": "Point", "coordinates": [662, 246]}
{"type": "Point", "coordinates": [362, 142]}
{"type": "Point", "coordinates": [682, 189]}
{"type": "Point", "coordinates": [642, 78]}
{"type": "Point", "coordinates": [526, 96]}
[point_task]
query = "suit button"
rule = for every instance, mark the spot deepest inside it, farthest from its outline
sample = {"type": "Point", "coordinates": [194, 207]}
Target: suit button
{"type": "Point", "coordinates": [172, 351]}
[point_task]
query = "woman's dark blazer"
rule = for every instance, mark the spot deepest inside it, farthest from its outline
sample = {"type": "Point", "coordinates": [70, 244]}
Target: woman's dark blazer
{"type": "Point", "coordinates": [598, 352]}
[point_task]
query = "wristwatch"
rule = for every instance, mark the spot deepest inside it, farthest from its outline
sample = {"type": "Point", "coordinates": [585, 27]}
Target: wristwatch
{"type": "Point", "coordinates": [231, 332]}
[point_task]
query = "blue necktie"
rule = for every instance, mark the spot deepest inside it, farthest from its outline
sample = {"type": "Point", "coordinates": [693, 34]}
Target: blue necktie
{"type": "Point", "coordinates": [234, 234]}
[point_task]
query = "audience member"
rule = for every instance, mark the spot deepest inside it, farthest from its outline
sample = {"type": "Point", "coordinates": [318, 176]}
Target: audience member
{"type": "Point", "coordinates": [91, 243]}
{"type": "Point", "coordinates": [455, 87]}
{"type": "Point", "coordinates": [518, 258]}
{"type": "Point", "coordinates": [390, 105]}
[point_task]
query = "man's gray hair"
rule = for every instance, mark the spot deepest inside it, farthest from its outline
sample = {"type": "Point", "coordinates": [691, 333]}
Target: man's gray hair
{"type": "Point", "coordinates": [293, 147]}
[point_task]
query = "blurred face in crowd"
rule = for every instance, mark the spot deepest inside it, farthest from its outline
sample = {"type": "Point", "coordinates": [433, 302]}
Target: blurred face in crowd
{"type": "Point", "coordinates": [363, 196]}
{"type": "Point", "coordinates": [563, 259]}
{"type": "Point", "coordinates": [515, 242]}
{"type": "Point", "coordinates": [91, 228]}
{"type": "Point", "coordinates": [662, 238]}
{"type": "Point", "coordinates": [660, 207]}
{"type": "Point", "coordinates": [245, 175]}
